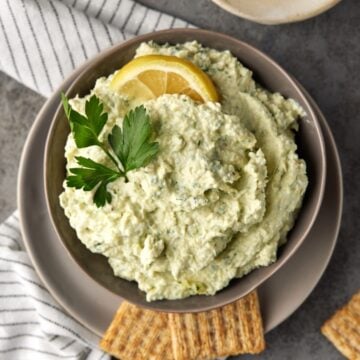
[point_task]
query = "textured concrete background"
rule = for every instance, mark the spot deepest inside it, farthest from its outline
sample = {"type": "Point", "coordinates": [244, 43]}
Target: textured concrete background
{"type": "Point", "coordinates": [323, 53]}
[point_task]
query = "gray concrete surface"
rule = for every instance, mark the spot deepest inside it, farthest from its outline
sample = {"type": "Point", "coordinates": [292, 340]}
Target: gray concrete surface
{"type": "Point", "coordinates": [323, 53]}
{"type": "Point", "coordinates": [18, 108]}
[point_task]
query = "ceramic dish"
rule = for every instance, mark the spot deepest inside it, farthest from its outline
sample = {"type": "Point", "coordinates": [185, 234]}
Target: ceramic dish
{"type": "Point", "coordinates": [271, 12]}
{"type": "Point", "coordinates": [270, 75]}
{"type": "Point", "coordinates": [279, 296]}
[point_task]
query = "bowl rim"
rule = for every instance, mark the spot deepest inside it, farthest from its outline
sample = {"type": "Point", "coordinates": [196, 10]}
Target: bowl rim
{"type": "Point", "coordinates": [98, 58]}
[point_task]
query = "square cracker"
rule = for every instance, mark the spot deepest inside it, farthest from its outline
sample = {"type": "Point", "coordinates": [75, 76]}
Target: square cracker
{"type": "Point", "coordinates": [138, 334]}
{"type": "Point", "coordinates": [231, 330]}
{"type": "Point", "coordinates": [343, 328]}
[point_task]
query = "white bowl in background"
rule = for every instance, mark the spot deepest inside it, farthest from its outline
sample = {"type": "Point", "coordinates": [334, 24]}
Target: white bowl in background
{"type": "Point", "coordinates": [272, 12]}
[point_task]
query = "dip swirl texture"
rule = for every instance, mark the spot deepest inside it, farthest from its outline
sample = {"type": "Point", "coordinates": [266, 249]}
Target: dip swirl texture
{"type": "Point", "coordinates": [219, 198]}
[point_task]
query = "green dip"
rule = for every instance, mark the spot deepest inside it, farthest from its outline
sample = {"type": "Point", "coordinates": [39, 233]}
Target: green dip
{"type": "Point", "coordinates": [221, 195]}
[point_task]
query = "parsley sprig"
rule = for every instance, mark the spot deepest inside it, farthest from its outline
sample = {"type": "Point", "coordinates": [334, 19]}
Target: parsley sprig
{"type": "Point", "coordinates": [128, 148]}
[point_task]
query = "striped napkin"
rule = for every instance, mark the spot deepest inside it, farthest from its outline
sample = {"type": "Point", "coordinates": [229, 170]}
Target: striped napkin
{"type": "Point", "coordinates": [41, 42]}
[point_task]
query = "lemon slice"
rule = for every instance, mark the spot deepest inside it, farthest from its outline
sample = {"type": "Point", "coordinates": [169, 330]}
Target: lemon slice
{"type": "Point", "coordinates": [150, 76]}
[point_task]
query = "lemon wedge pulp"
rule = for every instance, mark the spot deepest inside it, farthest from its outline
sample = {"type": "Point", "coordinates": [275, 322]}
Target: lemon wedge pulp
{"type": "Point", "coordinates": [150, 76]}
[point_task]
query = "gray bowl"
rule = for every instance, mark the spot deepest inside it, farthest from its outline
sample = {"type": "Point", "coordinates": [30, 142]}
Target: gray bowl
{"type": "Point", "coordinates": [267, 73]}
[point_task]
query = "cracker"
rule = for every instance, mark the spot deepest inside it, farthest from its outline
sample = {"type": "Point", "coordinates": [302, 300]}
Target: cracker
{"type": "Point", "coordinates": [231, 330]}
{"type": "Point", "coordinates": [343, 328]}
{"type": "Point", "coordinates": [138, 334]}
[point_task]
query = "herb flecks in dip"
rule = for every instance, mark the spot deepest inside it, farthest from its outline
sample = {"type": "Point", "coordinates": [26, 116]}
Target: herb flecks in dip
{"type": "Point", "coordinates": [219, 198]}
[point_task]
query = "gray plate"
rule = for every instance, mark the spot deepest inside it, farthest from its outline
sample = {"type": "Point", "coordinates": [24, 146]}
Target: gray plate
{"type": "Point", "coordinates": [94, 306]}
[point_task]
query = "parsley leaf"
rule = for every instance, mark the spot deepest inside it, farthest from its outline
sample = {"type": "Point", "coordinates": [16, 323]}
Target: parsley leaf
{"type": "Point", "coordinates": [90, 175]}
{"type": "Point", "coordinates": [86, 129]}
{"type": "Point", "coordinates": [131, 145]}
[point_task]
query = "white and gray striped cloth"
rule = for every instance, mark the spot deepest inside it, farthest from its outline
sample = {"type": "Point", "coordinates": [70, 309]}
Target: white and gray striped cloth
{"type": "Point", "coordinates": [41, 42]}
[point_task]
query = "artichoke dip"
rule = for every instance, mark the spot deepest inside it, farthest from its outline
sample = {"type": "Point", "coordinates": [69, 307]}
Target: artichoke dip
{"type": "Point", "coordinates": [220, 196]}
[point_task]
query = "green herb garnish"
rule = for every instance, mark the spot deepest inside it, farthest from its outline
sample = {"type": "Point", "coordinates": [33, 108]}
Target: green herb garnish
{"type": "Point", "coordinates": [128, 148]}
